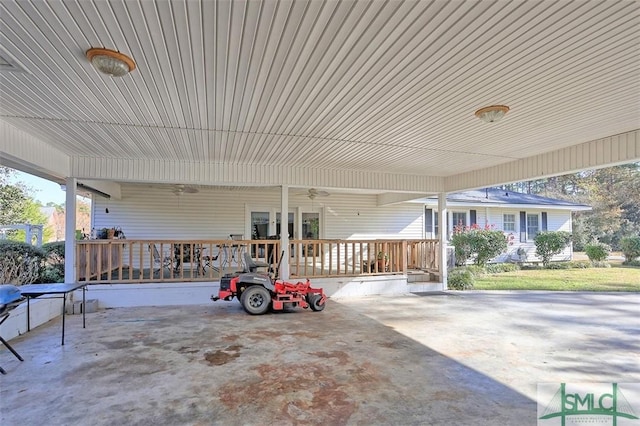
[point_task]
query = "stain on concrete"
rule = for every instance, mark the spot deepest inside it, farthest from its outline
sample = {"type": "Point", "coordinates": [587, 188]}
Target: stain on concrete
{"type": "Point", "coordinates": [340, 355]}
{"type": "Point", "coordinates": [230, 338]}
{"type": "Point", "coordinates": [306, 393]}
{"type": "Point", "coordinates": [262, 334]}
{"type": "Point", "coordinates": [221, 357]}
{"type": "Point", "coordinates": [188, 350]}
{"type": "Point", "coordinates": [395, 344]}
{"type": "Point", "coordinates": [118, 344]}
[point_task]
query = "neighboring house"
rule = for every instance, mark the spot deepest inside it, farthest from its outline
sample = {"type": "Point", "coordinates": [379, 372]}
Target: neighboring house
{"type": "Point", "coordinates": [519, 216]}
{"type": "Point", "coordinates": [55, 222]}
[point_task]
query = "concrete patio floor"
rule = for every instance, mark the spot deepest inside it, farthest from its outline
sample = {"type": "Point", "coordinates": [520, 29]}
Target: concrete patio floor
{"type": "Point", "coordinates": [471, 358]}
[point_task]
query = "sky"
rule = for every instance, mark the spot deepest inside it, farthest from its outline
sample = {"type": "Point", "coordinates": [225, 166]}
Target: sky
{"type": "Point", "coordinates": [43, 190]}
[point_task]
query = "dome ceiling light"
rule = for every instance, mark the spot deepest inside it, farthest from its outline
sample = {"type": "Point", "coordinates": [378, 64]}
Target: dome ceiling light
{"type": "Point", "coordinates": [110, 62]}
{"type": "Point", "coordinates": [492, 113]}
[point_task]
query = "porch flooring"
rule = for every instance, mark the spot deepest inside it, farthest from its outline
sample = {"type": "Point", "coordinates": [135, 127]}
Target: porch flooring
{"type": "Point", "coordinates": [470, 358]}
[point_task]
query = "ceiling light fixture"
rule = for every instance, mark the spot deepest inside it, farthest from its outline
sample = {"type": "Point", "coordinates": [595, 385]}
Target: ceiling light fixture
{"type": "Point", "coordinates": [492, 113]}
{"type": "Point", "coordinates": [110, 62]}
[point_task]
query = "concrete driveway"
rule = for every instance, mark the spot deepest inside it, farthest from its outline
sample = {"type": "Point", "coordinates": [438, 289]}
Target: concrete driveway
{"type": "Point", "coordinates": [471, 358]}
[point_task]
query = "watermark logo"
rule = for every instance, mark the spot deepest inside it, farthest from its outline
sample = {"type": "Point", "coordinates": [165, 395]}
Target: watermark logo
{"type": "Point", "coordinates": [616, 404]}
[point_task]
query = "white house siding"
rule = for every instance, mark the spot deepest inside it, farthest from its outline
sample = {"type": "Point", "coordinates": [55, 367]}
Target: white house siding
{"type": "Point", "coordinates": [148, 212]}
{"type": "Point", "coordinates": [557, 220]}
{"type": "Point", "coordinates": [153, 212]}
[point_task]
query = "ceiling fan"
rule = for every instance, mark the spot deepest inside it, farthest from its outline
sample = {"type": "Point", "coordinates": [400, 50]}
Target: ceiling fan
{"type": "Point", "coordinates": [313, 193]}
{"type": "Point", "coordinates": [184, 189]}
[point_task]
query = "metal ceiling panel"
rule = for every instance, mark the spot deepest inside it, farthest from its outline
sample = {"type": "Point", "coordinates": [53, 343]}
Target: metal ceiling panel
{"type": "Point", "coordinates": [354, 84]}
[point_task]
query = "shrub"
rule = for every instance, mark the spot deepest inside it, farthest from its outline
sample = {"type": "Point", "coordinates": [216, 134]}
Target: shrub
{"type": "Point", "coordinates": [632, 263]}
{"type": "Point", "coordinates": [577, 264]}
{"type": "Point", "coordinates": [558, 265]}
{"type": "Point", "coordinates": [497, 268]}
{"type": "Point", "coordinates": [550, 243]}
{"type": "Point", "coordinates": [462, 245]}
{"type": "Point", "coordinates": [53, 272]}
{"type": "Point", "coordinates": [483, 244]}
{"type": "Point", "coordinates": [20, 263]}
{"type": "Point", "coordinates": [580, 264]}
{"type": "Point", "coordinates": [630, 247]}
{"type": "Point", "coordinates": [476, 270]}
{"type": "Point", "coordinates": [460, 279]}
{"type": "Point", "coordinates": [54, 251]}
{"type": "Point", "coordinates": [597, 252]}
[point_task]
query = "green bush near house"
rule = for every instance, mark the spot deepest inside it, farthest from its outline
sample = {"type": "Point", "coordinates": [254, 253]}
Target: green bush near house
{"type": "Point", "coordinates": [550, 243]}
{"type": "Point", "coordinates": [579, 264]}
{"type": "Point", "coordinates": [460, 279]}
{"type": "Point", "coordinates": [476, 270]}
{"type": "Point", "coordinates": [479, 244]}
{"type": "Point", "coordinates": [630, 247]}
{"type": "Point", "coordinates": [20, 263]}
{"type": "Point", "coordinates": [497, 268]}
{"type": "Point", "coordinates": [597, 252]}
{"type": "Point", "coordinates": [53, 271]}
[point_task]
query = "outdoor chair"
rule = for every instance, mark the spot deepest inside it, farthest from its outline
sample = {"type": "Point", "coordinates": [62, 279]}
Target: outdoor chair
{"type": "Point", "coordinates": [160, 262]}
{"type": "Point", "coordinates": [206, 261]}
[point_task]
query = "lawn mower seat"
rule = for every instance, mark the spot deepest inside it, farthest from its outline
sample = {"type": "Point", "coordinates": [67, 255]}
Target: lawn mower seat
{"type": "Point", "coordinates": [252, 265]}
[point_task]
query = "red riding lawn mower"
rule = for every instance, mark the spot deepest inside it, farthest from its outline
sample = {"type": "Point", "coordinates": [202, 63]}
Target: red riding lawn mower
{"type": "Point", "coordinates": [258, 292]}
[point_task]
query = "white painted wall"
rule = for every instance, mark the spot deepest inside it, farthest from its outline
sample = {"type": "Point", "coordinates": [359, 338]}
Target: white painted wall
{"type": "Point", "coordinates": [557, 220]}
{"type": "Point", "coordinates": [156, 213]}
{"type": "Point", "coordinates": [40, 311]}
{"type": "Point", "coordinates": [153, 212]}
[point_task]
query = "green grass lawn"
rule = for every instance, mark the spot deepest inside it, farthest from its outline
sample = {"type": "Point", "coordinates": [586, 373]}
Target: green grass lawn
{"type": "Point", "coordinates": [616, 278]}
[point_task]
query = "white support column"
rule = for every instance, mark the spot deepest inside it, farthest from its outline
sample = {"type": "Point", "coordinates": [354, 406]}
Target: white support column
{"type": "Point", "coordinates": [284, 232]}
{"type": "Point", "coordinates": [40, 229]}
{"type": "Point", "coordinates": [70, 231]}
{"type": "Point", "coordinates": [28, 237]}
{"type": "Point", "coordinates": [444, 231]}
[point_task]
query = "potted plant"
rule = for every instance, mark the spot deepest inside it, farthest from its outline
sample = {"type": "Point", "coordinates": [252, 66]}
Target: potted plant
{"type": "Point", "coordinates": [383, 259]}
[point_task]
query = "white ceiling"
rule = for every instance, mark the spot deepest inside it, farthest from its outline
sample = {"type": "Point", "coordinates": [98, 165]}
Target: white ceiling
{"type": "Point", "coordinates": [360, 85]}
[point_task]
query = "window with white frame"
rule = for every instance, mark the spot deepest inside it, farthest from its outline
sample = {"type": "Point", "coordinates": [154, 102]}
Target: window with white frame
{"type": "Point", "coordinates": [509, 222]}
{"type": "Point", "coordinates": [533, 226]}
{"type": "Point", "coordinates": [458, 219]}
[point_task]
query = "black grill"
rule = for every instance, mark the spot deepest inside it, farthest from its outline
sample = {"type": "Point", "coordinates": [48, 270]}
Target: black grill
{"type": "Point", "coordinates": [10, 297]}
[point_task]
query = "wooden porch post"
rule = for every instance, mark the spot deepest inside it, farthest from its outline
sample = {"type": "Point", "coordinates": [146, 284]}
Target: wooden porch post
{"type": "Point", "coordinates": [70, 231]}
{"type": "Point", "coordinates": [443, 227]}
{"type": "Point", "coordinates": [284, 232]}
{"type": "Point", "coordinates": [405, 260]}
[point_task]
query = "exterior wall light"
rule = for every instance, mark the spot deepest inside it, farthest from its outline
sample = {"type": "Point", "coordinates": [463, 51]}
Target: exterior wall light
{"type": "Point", "coordinates": [492, 113]}
{"type": "Point", "coordinates": [110, 62]}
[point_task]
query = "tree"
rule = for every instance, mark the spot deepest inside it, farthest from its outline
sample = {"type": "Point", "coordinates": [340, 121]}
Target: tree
{"type": "Point", "coordinates": [17, 207]}
{"type": "Point", "coordinates": [14, 203]}
{"type": "Point", "coordinates": [612, 192]}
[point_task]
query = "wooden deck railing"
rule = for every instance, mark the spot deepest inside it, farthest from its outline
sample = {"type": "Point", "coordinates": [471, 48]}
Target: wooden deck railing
{"type": "Point", "coordinates": [122, 261]}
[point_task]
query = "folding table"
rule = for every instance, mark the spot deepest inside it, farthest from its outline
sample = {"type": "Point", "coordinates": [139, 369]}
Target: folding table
{"type": "Point", "coordinates": [3, 318]}
{"type": "Point", "coordinates": [54, 291]}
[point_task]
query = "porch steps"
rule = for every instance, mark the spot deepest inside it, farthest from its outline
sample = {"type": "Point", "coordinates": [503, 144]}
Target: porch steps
{"type": "Point", "coordinates": [420, 276]}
